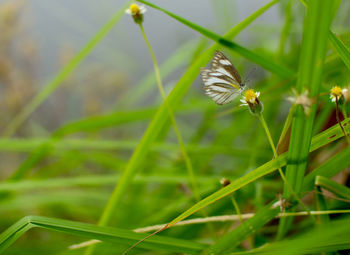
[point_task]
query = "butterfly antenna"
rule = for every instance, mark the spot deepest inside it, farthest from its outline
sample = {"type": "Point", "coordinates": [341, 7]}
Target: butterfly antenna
{"type": "Point", "coordinates": [246, 80]}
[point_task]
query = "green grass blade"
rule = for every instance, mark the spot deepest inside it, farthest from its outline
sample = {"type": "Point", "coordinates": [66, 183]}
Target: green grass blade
{"type": "Point", "coordinates": [160, 119]}
{"type": "Point", "coordinates": [321, 205]}
{"type": "Point", "coordinates": [14, 232]}
{"type": "Point", "coordinates": [333, 187]}
{"type": "Point", "coordinates": [63, 74]}
{"type": "Point", "coordinates": [331, 237]}
{"type": "Point", "coordinates": [328, 169]}
{"type": "Point", "coordinates": [113, 235]}
{"type": "Point", "coordinates": [316, 27]}
{"type": "Point", "coordinates": [232, 239]}
{"type": "Point", "coordinates": [318, 141]}
{"type": "Point", "coordinates": [340, 48]}
{"type": "Point", "coordinates": [263, 62]}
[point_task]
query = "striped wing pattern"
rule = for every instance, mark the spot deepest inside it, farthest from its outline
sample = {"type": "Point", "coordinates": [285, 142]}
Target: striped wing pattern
{"type": "Point", "coordinates": [218, 86]}
{"type": "Point", "coordinates": [222, 82]}
{"type": "Point", "coordinates": [223, 65]}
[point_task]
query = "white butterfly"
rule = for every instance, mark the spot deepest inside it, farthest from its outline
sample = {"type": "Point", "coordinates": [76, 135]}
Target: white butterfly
{"type": "Point", "coordinates": [222, 81]}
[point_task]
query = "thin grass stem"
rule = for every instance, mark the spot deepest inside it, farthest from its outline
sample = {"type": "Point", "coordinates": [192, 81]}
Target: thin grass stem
{"type": "Point", "coordinates": [268, 134]}
{"type": "Point", "coordinates": [187, 159]}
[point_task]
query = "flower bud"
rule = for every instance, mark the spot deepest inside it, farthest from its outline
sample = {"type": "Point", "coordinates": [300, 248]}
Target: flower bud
{"type": "Point", "coordinates": [338, 94]}
{"type": "Point", "coordinates": [136, 12]}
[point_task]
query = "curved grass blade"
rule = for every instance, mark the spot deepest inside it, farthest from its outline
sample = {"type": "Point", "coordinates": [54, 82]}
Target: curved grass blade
{"type": "Point", "coordinates": [321, 205]}
{"type": "Point", "coordinates": [63, 74]}
{"type": "Point", "coordinates": [260, 60]}
{"type": "Point", "coordinates": [340, 48]}
{"type": "Point", "coordinates": [333, 187]}
{"type": "Point", "coordinates": [107, 234]}
{"type": "Point", "coordinates": [328, 169]}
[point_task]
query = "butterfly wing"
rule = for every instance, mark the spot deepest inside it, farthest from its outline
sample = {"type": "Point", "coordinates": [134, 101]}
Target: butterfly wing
{"type": "Point", "coordinates": [223, 65]}
{"type": "Point", "coordinates": [220, 87]}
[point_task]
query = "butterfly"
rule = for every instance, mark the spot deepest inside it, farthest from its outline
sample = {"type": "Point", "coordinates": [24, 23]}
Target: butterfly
{"type": "Point", "coordinates": [222, 81]}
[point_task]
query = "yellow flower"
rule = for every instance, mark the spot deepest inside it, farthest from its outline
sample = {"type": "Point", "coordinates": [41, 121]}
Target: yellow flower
{"type": "Point", "coordinates": [134, 9]}
{"type": "Point", "coordinates": [250, 99]}
{"type": "Point", "coordinates": [337, 94]}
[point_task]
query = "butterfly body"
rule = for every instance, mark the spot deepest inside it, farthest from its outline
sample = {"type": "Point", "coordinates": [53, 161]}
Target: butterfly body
{"type": "Point", "coordinates": [222, 81]}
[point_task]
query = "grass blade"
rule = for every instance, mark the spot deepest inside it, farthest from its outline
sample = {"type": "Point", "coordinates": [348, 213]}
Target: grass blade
{"type": "Point", "coordinates": [340, 48]}
{"type": "Point", "coordinates": [113, 235]}
{"type": "Point", "coordinates": [231, 240]}
{"type": "Point", "coordinates": [328, 169]}
{"type": "Point", "coordinates": [333, 187]}
{"type": "Point", "coordinates": [317, 22]}
{"type": "Point", "coordinates": [263, 62]}
{"type": "Point", "coordinates": [331, 237]}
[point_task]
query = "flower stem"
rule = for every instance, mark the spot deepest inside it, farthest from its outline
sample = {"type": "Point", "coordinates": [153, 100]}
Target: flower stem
{"type": "Point", "coordinates": [268, 134]}
{"type": "Point", "coordinates": [172, 118]}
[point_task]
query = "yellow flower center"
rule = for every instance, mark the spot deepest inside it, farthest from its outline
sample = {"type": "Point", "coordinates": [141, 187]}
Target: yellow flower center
{"type": "Point", "coordinates": [250, 96]}
{"type": "Point", "coordinates": [134, 8]}
{"type": "Point", "coordinates": [336, 91]}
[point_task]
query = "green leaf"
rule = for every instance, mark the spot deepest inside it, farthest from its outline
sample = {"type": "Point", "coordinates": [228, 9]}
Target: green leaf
{"type": "Point", "coordinates": [107, 234]}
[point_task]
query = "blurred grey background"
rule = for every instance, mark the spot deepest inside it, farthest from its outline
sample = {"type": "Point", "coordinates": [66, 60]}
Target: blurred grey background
{"type": "Point", "coordinates": [57, 25]}
{"type": "Point", "coordinates": [49, 33]}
